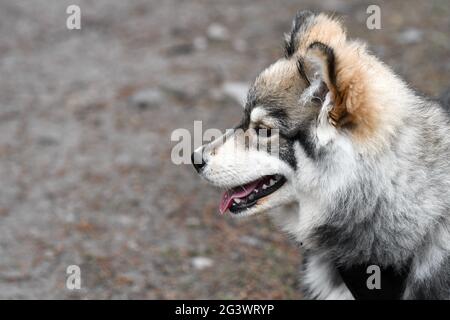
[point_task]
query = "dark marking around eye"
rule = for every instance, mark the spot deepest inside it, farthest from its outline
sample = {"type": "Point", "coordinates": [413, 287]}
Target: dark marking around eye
{"type": "Point", "coordinates": [304, 138]}
{"type": "Point", "coordinates": [279, 114]}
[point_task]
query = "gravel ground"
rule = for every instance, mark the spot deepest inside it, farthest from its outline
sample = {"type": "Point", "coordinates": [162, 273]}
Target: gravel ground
{"type": "Point", "coordinates": [86, 118]}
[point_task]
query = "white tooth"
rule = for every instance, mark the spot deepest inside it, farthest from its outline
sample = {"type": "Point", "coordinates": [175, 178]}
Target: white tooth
{"type": "Point", "coordinates": [264, 187]}
{"type": "Point", "coordinates": [237, 200]}
{"type": "Point", "coordinates": [272, 182]}
{"type": "Point", "coordinates": [256, 190]}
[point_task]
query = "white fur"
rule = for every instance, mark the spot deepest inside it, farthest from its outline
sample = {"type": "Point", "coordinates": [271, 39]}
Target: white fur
{"type": "Point", "coordinates": [318, 278]}
{"type": "Point", "coordinates": [325, 131]}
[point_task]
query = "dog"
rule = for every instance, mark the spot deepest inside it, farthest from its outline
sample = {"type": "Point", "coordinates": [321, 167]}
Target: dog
{"type": "Point", "coordinates": [364, 156]}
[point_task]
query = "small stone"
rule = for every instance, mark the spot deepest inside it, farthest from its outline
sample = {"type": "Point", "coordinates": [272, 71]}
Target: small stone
{"type": "Point", "coordinates": [49, 254]}
{"type": "Point", "coordinates": [180, 49]}
{"type": "Point", "coordinates": [201, 263]}
{"type": "Point", "coordinates": [144, 99]}
{"type": "Point", "coordinates": [410, 36]}
{"type": "Point", "coordinates": [217, 32]}
{"type": "Point", "coordinates": [125, 220]}
{"type": "Point", "coordinates": [133, 245]}
{"type": "Point", "coordinates": [251, 241]}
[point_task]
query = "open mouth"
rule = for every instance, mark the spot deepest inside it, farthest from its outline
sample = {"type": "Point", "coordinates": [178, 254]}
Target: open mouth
{"type": "Point", "coordinates": [245, 196]}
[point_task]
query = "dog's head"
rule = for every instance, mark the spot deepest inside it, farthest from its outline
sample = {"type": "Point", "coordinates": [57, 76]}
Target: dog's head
{"type": "Point", "coordinates": [311, 111]}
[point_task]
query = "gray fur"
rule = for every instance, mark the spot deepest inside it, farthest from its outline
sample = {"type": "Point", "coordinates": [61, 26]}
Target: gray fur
{"type": "Point", "coordinates": [389, 207]}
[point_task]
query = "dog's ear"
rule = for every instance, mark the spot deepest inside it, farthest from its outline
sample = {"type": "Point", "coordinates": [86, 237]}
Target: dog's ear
{"type": "Point", "coordinates": [291, 40]}
{"type": "Point", "coordinates": [321, 69]}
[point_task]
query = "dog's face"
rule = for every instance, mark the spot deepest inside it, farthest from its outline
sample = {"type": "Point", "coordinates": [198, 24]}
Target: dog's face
{"type": "Point", "coordinates": [295, 126]}
{"type": "Point", "coordinates": [257, 162]}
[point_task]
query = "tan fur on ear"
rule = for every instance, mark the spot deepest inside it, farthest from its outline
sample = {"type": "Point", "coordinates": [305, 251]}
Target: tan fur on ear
{"type": "Point", "coordinates": [323, 29]}
{"type": "Point", "coordinates": [322, 55]}
{"type": "Point", "coordinates": [359, 90]}
{"type": "Point", "coordinates": [318, 43]}
{"type": "Point", "coordinates": [355, 107]}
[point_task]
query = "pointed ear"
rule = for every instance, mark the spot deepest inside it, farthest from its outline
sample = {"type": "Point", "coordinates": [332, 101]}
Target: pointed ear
{"type": "Point", "coordinates": [322, 61]}
{"type": "Point", "coordinates": [291, 39]}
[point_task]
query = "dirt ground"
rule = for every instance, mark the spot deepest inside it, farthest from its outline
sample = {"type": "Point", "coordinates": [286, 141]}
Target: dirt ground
{"type": "Point", "coordinates": [86, 117]}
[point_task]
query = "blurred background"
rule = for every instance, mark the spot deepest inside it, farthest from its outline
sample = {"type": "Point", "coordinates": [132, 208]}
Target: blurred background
{"type": "Point", "coordinates": [86, 117]}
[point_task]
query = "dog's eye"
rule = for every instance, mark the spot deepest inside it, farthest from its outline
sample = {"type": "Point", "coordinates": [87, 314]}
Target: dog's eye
{"type": "Point", "coordinates": [263, 130]}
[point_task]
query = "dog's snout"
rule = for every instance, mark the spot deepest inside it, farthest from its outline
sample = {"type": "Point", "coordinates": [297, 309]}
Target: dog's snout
{"type": "Point", "coordinates": [197, 160]}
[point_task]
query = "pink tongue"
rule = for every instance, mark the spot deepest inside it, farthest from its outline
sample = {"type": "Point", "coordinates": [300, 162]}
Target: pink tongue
{"type": "Point", "coordinates": [228, 196]}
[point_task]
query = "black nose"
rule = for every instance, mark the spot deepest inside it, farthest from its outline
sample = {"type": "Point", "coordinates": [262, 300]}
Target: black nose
{"type": "Point", "coordinates": [197, 160]}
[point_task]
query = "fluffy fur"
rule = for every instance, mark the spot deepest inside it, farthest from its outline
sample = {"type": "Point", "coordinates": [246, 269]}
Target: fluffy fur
{"type": "Point", "coordinates": [365, 158]}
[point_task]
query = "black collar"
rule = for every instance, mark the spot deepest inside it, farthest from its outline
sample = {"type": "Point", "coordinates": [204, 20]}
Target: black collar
{"type": "Point", "coordinates": [392, 282]}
